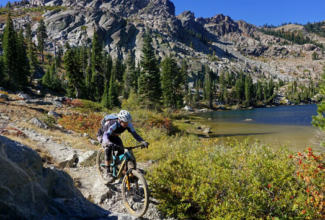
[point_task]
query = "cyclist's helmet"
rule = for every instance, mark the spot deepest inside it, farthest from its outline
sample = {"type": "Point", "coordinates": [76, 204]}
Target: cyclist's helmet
{"type": "Point", "coordinates": [124, 116]}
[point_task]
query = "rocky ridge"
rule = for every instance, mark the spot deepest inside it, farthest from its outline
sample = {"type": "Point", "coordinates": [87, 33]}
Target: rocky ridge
{"type": "Point", "coordinates": [121, 25]}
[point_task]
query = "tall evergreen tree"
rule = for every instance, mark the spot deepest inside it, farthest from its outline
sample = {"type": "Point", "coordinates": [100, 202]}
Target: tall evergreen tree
{"type": "Point", "coordinates": [271, 88]}
{"type": "Point", "coordinates": [222, 87]}
{"type": "Point", "coordinates": [171, 80]}
{"type": "Point", "coordinates": [28, 32]}
{"type": "Point", "coordinates": [46, 79]}
{"type": "Point", "coordinates": [2, 74]}
{"type": "Point", "coordinates": [117, 69]}
{"type": "Point", "coordinates": [240, 86]}
{"type": "Point", "coordinates": [128, 77]}
{"type": "Point", "coordinates": [108, 67]}
{"type": "Point", "coordinates": [197, 91]}
{"type": "Point", "coordinates": [32, 58]}
{"type": "Point", "coordinates": [136, 78]}
{"type": "Point", "coordinates": [184, 71]}
{"type": "Point", "coordinates": [88, 84]}
{"type": "Point", "coordinates": [9, 44]}
{"type": "Point", "coordinates": [259, 93]}
{"type": "Point", "coordinates": [23, 68]}
{"type": "Point", "coordinates": [105, 98]}
{"type": "Point", "coordinates": [249, 89]}
{"type": "Point", "coordinates": [74, 75]}
{"type": "Point", "coordinates": [97, 80]}
{"type": "Point", "coordinates": [83, 59]}
{"type": "Point", "coordinates": [149, 86]}
{"type": "Point", "coordinates": [41, 37]}
{"type": "Point", "coordinates": [55, 81]}
{"type": "Point", "coordinates": [185, 76]}
{"type": "Point", "coordinates": [265, 91]}
{"type": "Point", "coordinates": [208, 87]}
{"type": "Point", "coordinates": [113, 93]}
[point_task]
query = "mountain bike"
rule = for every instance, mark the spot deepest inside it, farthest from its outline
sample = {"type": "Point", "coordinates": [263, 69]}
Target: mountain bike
{"type": "Point", "coordinates": [135, 193]}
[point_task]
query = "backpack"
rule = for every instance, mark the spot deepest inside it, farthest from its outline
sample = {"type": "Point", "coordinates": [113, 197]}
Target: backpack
{"type": "Point", "coordinates": [109, 117]}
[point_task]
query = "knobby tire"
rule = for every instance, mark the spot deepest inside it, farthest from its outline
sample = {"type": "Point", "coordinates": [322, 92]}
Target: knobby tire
{"type": "Point", "coordinates": [138, 189]}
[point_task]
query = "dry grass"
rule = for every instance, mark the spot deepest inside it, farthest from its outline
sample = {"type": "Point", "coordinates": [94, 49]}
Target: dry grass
{"type": "Point", "coordinates": [17, 112]}
{"type": "Point", "coordinates": [74, 141]}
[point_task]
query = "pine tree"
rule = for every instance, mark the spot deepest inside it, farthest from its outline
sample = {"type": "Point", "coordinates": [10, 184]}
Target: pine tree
{"type": "Point", "coordinates": [248, 89]}
{"type": "Point", "coordinates": [108, 67]}
{"type": "Point", "coordinates": [118, 70]}
{"type": "Point", "coordinates": [88, 84]}
{"type": "Point", "coordinates": [23, 68]}
{"type": "Point", "coordinates": [9, 45]}
{"type": "Point", "coordinates": [105, 97]}
{"type": "Point", "coordinates": [171, 80]}
{"type": "Point", "coordinates": [32, 58]}
{"type": "Point", "coordinates": [265, 91]}
{"type": "Point", "coordinates": [185, 76]}
{"type": "Point", "coordinates": [74, 75]}
{"type": "Point", "coordinates": [59, 57]}
{"type": "Point", "coordinates": [97, 80]}
{"type": "Point", "coordinates": [2, 74]}
{"type": "Point", "coordinates": [113, 93]}
{"type": "Point", "coordinates": [136, 78]}
{"type": "Point", "coordinates": [46, 79]}
{"type": "Point", "coordinates": [184, 71]}
{"type": "Point", "coordinates": [259, 92]}
{"type": "Point", "coordinates": [149, 85]}
{"type": "Point", "coordinates": [41, 37]}
{"type": "Point", "coordinates": [128, 77]}
{"type": "Point", "coordinates": [208, 88]}
{"type": "Point", "coordinates": [197, 91]}
{"type": "Point", "coordinates": [271, 88]}
{"type": "Point", "coordinates": [83, 59]}
{"type": "Point", "coordinates": [240, 86]}
{"type": "Point", "coordinates": [28, 32]}
{"type": "Point", "coordinates": [8, 5]}
{"type": "Point", "coordinates": [55, 81]}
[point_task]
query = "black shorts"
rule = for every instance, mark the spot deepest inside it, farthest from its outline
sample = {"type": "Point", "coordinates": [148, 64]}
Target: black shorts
{"type": "Point", "coordinates": [114, 145]}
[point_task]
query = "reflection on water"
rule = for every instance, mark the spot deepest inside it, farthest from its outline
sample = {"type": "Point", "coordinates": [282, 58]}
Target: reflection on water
{"type": "Point", "coordinates": [282, 125]}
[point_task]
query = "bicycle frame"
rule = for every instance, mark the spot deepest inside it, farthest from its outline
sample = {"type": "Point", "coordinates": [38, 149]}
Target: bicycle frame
{"type": "Point", "coordinates": [124, 158]}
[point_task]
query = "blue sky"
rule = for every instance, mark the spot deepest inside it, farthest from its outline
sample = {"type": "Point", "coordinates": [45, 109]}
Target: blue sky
{"type": "Point", "coordinates": [257, 12]}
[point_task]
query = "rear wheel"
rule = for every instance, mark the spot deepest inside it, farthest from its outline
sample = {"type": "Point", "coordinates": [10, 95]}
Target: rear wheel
{"type": "Point", "coordinates": [135, 193]}
{"type": "Point", "coordinates": [100, 163]}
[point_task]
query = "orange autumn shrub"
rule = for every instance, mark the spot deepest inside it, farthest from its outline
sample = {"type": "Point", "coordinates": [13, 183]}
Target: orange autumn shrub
{"type": "Point", "coordinates": [82, 124]}
{"type": "Point", "coordinates": [311, 171]}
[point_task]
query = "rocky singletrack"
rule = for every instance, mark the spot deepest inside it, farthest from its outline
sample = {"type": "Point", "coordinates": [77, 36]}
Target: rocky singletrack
{"type": "Point", "coordinates": [85, 177]}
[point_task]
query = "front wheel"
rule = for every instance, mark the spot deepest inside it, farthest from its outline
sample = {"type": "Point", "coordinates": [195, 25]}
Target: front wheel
{"type": "Point", "coordinates": [100, 163]}
{"type": "Point", "coordinates": [135, 193]}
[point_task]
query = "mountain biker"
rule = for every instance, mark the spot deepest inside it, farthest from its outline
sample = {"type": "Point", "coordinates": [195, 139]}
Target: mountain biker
{"type": "Point", "coordinates": [109, 135]}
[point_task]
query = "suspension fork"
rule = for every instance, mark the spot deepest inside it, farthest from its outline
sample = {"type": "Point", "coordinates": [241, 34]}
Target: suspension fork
{"type": "Point", "coordinates": [129, 175]}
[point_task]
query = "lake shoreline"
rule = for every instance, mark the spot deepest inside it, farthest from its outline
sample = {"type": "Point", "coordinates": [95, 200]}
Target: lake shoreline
{"type": "Point", "coordinates": [235, 108]}
{"type": "Point", "coordinates": [270, 125]}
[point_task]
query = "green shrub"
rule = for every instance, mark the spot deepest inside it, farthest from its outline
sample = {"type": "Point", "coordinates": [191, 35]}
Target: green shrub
{"type": "Point", "coordinates": [48, 120]}
{"type": "Point", "coordinates": [89, 107]}
{"type": "Point", "coordinates": [240, 181]}
{"type": "Point", "coordinates": [132, 103]}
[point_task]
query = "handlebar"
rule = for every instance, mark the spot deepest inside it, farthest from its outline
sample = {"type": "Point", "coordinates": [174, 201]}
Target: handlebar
{"type": "Point", "coordinates": [131, 148]}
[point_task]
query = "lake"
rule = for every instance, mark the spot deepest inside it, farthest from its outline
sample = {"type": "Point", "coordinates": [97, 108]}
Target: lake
{"type": "Point", "coordinates": [277, 126]}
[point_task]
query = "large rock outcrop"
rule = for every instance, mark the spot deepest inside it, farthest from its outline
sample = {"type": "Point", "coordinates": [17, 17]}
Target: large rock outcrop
{"type": "Point", "coordinates": [30, 191]}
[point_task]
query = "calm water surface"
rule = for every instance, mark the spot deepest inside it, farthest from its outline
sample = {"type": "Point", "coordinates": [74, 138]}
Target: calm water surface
{"type": "Point", "coordinates": [277, 126]}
